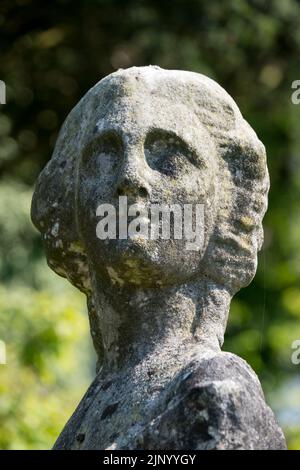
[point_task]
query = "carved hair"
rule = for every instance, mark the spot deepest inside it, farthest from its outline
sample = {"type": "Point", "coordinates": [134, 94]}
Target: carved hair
{"type": "Point", "coordinates": [231, 254]}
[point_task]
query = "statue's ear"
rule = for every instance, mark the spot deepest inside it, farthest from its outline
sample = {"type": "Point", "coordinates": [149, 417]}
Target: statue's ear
{"type": "Point", "coordinates": [245, 155]}
{"type": "Point", "coordinates": [238, 234]}
{"type": "Point", "coordinates": [53, 209]}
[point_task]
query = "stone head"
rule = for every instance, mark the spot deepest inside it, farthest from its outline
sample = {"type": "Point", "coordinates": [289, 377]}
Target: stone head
{"type": "Point", "coordinates": [157, 137]}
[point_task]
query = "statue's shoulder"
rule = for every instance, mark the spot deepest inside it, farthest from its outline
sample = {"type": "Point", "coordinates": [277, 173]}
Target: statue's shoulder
{"type": "Point", "coordinates": [221, 367]}
{"type": "Point", "coordinates": [217, 403]}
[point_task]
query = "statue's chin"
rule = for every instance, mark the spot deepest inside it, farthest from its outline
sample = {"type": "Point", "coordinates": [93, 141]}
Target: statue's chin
{"type": "Point", "coordinates": [146, 263]}
{"type": "Point", "coordinates": [147, 271]}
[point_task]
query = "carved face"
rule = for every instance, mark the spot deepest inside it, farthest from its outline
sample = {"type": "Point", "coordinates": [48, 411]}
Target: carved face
{"type": "Point", "coordinates": [153, 152]}
{"type": "Point", "coordinates": [156, 137]}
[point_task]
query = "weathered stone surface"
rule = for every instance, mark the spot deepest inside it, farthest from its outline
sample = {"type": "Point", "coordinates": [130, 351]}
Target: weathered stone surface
{"type": "Point", "coordinates": [158, 311]}
{"type": "Point", "coordinates": [215, 402]}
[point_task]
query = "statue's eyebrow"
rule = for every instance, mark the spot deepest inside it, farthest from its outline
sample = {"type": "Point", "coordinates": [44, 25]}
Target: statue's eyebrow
{"type": "Point", "coordinates": [103, 128]}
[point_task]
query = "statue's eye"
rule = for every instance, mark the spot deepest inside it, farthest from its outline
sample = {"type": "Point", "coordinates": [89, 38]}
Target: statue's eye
{"type": "Point", "coordinates": [108, 152]}
{"type": "Point", "coordinates": [167, 154]}
{"type": "Point", "coordinates": [109, 144]}
{"type": "Point", "coordinates": [170, 163]}
{"type": "Point", "coordinates": [103, 154]}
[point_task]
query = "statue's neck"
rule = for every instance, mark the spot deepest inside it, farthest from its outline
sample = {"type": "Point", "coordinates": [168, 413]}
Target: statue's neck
{"type": "Point", "coordinates": [160, 328]}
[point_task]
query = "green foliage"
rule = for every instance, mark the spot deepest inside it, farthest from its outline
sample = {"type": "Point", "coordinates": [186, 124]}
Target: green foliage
{"type": "Point", "coordinates": [44, 326]}
{"type": "Point", "coordinates": [20, 245]}
{"type": "Point", "coordinates": [51, 54]}
{"type": "Point", "coordinates": [42, 381]}
{"type": "Point", "coordinates": [293, 437]}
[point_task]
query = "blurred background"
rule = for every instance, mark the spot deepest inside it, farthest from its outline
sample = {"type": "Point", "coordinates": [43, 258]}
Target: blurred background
{"type": "Point", "coordinates": [51, 54]}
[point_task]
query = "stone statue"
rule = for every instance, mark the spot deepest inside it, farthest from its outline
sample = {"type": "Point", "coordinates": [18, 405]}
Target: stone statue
{"type": "Point", "coordinates": [157, 310]}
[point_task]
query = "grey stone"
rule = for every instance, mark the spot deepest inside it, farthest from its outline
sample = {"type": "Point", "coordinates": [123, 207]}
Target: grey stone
{"type": "Point", "coordinates": [158, 311]}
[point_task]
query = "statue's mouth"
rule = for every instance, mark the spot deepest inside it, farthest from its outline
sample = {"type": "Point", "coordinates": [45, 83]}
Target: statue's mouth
{"type": "Point", "coordinates": [139, 222]}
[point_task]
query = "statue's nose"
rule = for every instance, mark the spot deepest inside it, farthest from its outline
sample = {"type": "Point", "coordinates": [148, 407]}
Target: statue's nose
{"type": "Point", "coordinates": [132, 180]}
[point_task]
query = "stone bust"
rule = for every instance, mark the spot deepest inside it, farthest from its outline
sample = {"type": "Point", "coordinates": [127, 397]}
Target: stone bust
{"type": "Point", "coordinates": [158, 311]}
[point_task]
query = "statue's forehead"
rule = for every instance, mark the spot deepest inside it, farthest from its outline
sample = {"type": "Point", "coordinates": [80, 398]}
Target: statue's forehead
{"type": "Point", "coordinates": [139, 114]}
{"type": "Point", "coordinates": [134, 109]}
